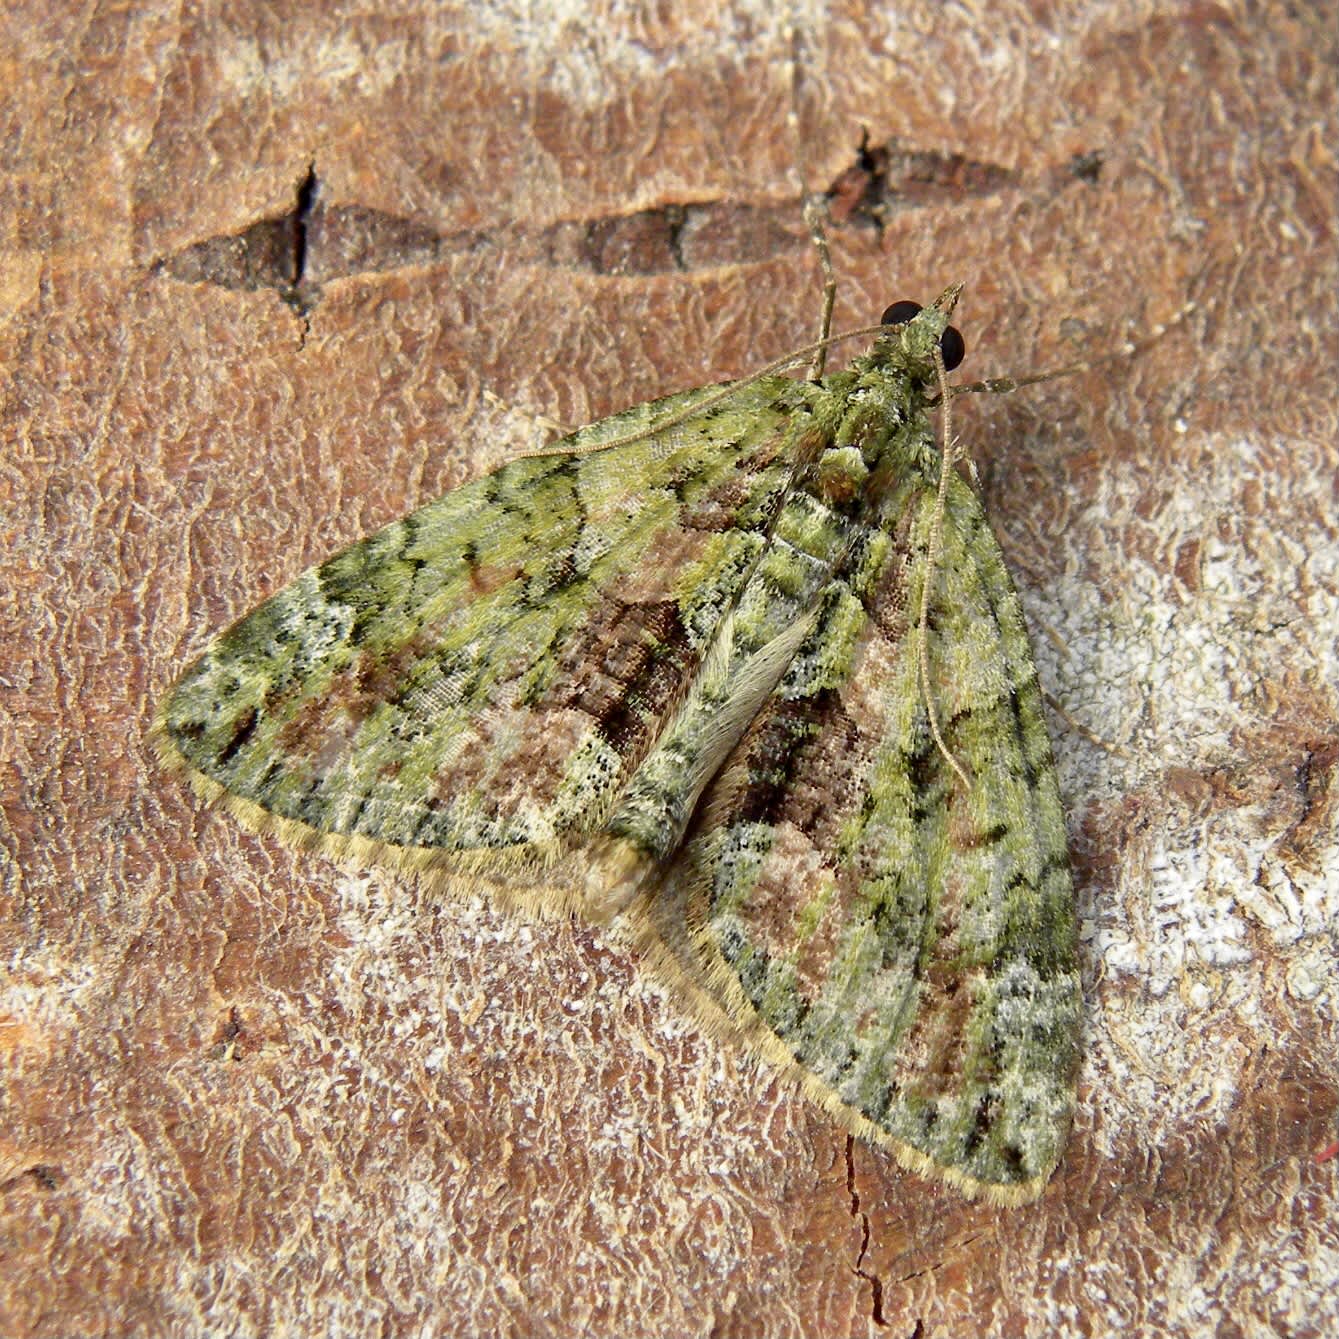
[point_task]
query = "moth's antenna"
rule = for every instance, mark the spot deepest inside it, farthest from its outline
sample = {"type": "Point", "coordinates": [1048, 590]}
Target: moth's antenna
{"type": "Point", "coordinates": [729, 388]}
{"type": "Point", "coordinates": [948, 461]}
{"type": "Point", "coordinates": [1130, 349]}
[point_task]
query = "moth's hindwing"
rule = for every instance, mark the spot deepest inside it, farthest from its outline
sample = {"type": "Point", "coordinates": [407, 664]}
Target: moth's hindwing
{"type": "Point", "coordinates": [469, 688]}
{"type": "Point", "coordinates": [904, 947]}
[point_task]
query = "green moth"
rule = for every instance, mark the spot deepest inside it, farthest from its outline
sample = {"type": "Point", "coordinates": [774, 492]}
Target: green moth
{"type": "Point", "coordinates": [742, 671]}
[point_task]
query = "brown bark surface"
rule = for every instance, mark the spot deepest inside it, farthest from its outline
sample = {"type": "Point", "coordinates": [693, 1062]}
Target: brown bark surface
{"type": "Point", "coordinates": [272, 275]}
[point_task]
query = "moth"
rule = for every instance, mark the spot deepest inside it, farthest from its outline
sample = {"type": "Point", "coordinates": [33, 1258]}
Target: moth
{"type": "Point", "coordinates": [742, 672]}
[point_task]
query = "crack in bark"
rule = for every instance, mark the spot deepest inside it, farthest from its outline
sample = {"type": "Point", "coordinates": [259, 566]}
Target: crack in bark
{"type": "Point", "coordinates": [875, 1283]}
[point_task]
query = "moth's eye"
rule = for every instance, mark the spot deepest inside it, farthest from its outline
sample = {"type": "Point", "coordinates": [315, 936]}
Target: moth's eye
{"type": "Point", "coordinates": [951, 347]}
{"type": "Point", "coordinates": [899, 313]}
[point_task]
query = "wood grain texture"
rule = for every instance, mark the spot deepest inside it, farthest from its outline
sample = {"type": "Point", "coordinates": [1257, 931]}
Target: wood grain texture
{"type": "Point", "coordinates": [245, 1090]}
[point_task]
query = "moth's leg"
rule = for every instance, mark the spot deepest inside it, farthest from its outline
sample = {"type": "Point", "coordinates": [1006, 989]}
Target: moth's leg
{"type": "Point", "coordinates": [815, 202]}
{"type": "Point", "coordinates": [814, 208]}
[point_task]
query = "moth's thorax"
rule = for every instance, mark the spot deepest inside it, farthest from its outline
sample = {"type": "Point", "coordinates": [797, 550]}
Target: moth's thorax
{"type": "Point", "coordinates": [882, 412]}
{"type": "Point", "coordinates": [894, 371]}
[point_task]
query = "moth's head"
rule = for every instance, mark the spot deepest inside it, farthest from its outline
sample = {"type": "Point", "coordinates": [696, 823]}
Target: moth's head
{"type": "Point", "coordinates": [911, 332]}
